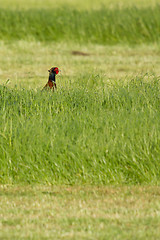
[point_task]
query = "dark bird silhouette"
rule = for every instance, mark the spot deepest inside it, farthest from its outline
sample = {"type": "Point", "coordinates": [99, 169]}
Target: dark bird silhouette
{"type": "Point", "coordinates": [51, 84]}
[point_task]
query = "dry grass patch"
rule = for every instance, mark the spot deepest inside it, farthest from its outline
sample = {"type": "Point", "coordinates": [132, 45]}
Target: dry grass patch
{"type": "Point", "coordinates": [61, 212]}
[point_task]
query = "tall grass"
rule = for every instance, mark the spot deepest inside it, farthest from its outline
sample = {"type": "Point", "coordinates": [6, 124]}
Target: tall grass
{"type": "Point", "coordinates": [104, 26]}
{"type": "Point", "coordinates": [81, 135]}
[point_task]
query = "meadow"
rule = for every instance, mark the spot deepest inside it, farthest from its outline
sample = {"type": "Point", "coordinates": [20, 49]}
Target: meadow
{"type": "Point", "coordinates": [100, 26]}
{"type": "Point", "coordinates": [87, 155]}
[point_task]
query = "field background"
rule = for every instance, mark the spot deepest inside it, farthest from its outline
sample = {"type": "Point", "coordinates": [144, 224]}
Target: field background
{"type": "Point", "coordinates": [89, 4]}
{"type": "Point", "coordinates": [82, 163]}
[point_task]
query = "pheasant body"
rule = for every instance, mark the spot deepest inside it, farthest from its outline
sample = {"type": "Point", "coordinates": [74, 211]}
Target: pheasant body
{"type": "Point", "coordinates": [51, 84]}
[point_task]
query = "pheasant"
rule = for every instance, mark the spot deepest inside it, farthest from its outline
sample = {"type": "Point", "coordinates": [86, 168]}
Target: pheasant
{"type": "Point", "coordinates": [51, 84]}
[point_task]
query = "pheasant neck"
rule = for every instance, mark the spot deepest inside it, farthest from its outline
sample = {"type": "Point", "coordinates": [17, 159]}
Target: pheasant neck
{"type": "Point", "coordinates": [52, 78]}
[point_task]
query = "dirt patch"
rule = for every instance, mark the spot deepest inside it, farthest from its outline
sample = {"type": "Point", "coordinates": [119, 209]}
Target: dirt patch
{"type": "Point", "coordinates": [79, 53]}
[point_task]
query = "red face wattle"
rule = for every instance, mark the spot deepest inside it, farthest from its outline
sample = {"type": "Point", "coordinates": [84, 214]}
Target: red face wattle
{"type": "Point", "coordinates": [56, 70]}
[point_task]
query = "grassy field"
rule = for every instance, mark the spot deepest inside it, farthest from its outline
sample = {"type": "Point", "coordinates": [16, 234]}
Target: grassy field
{"type": "Point", "coordinates": [26, 63]}
{"type": "Point", "coordinates": [102, 26]}
{"type": "Point", "coordinates": [82, 163]}
{"type": "Point", "coordinates": [80, 136]}
{"type": "Point", "coordinates": [45, 212]}
{"type": "Point", "coordinates": [76, 4]}
{"type": "Point", "coordinates": [102, 122]}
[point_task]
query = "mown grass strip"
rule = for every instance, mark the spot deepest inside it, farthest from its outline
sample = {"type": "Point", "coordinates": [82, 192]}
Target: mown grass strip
{"type": "Point", "coordinates": [79, 212]}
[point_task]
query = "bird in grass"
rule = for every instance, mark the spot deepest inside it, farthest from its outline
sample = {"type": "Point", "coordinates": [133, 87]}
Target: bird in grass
{"type": "Point", "coordinates": [51, 84]}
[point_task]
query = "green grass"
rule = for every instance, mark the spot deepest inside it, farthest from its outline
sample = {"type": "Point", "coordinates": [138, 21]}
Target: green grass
{"type": "Point", "coordinates": [101, 26]}
{"type": "Point", "coordinates": [86, 133]}
{"type": "Point", "coordinates": [76, 4]}
{"type": "Point", "coordinates": [101, 127]}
